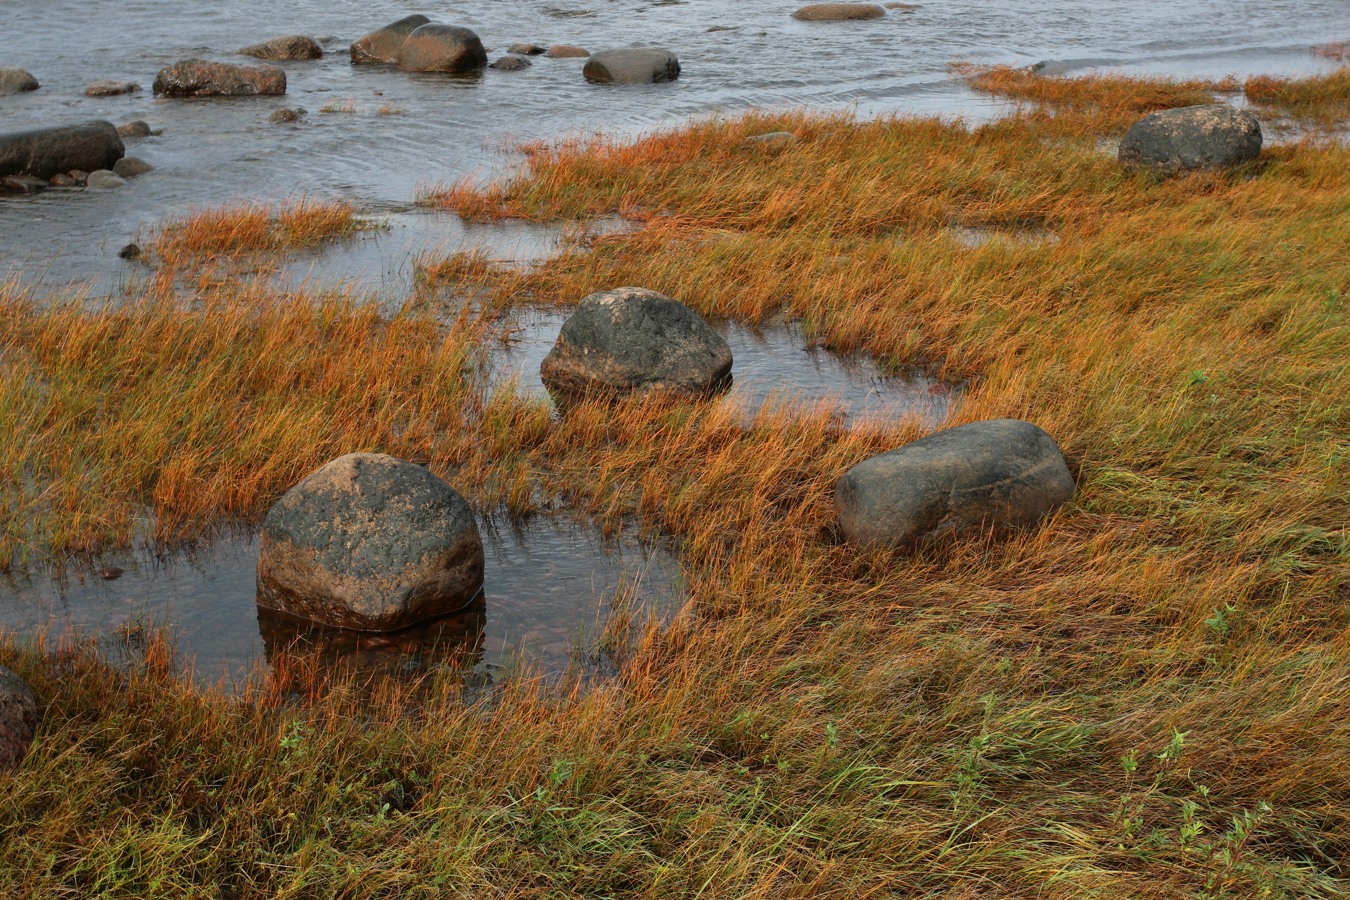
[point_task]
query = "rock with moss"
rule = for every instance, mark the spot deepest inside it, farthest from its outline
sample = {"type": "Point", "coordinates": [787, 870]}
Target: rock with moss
{"type": "Point", "coordinates": [372, 543]}
{"type": "Point", "coordinates": [1209, 136]}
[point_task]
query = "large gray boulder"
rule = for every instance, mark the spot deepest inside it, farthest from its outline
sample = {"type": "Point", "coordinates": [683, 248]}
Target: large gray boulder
{"type": "Point", "coordinates": [287, 47]}
{"type": "Point", "coordinates": [199, 78]}
{"type": "Point", "coordinates": [372, 543]}
{"type": "Point", "coordinates": [632, 340]}
{"type": "Point", "coordinates": [838, 12]}
{"type": "Point", "coordinates": [635, 66]}
{"type": "Point", "coordinates": [16, 81]}
{"type": "Point", "coordinates": [381, 46]}
{"type": "Point", "coordinates": [993, 475]}
{"type": "Point", "coordinates": [18, 719]}
{"type": "Point", "coordinates": [1210, 136]}
{"type": "Point", "coordinates": [442, 48]}
{"type": "Point", "coordinates": [43, 152]}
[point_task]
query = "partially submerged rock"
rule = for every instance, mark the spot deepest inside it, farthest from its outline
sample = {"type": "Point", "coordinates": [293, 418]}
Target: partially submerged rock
{"type": "Point", "coordinates": [18, 719]}
{"type": "Point", "coordinates": [1209, 136]}
{"type": "Point", "coordinates": [566, 51]}
{"type": "Point", "coordinates": [132, 166]}
{"type": "Point", "coordinates": [526, 49]}
{"type": "Point", "coordinates": [135, 128]}
{"type": "Point", "coordinates": [993, 475]}
{"type": "Point", "coordinates": [43, 152]}
{"type": "Point", "coordinates": [632, 340]}
{"type": "Point", "coordinates": [838, 12]}
{"type": "Point", "coordinates": [381, 46]}
{"type": "Point", "coordinates": [372, 543]}
{"type": "Point", "coordinates": [442, 48]}
{"type": "Point", "coordinates": [24, 184]}
{"type": "Point", "coordinates": [634, 66]}
{"type": "Point", "coordinates": [106, 88]}
{"type": "Point", "coordinates": [199, 78]}
{"type": "Point", "coordinates": [14, 80]}
{"type": "Point", "coordinates": [286, 115]}
{"type": "Point", "coordinates": [511, 64]}
{"type": "Point", "coordinates": [104, 180]}
{"type": "Point", "coordinates": [287, 47]}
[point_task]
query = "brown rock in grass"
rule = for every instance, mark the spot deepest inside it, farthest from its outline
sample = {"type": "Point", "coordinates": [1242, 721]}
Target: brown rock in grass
{"type": "Point", "coordinates": [18, 719]}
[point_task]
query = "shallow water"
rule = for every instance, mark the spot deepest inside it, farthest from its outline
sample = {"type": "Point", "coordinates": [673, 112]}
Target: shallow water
{"type": "Point", "coordinates": [772, 366]}
{"type": "Point", "coordinates": [547, 589]}
{"type": "Point", "coordinates": [735, 55]}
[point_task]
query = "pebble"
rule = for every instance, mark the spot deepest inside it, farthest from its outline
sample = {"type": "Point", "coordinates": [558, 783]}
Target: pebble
{"type": "Point", "coordinates": [109, 573]}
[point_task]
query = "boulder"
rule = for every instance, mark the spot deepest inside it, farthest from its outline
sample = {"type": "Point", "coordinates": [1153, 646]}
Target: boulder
{"type": "Point", "coordinates": [527, 49]}
{"type": "Point", "coordinates": [16, 81]}
{"type": "Point", "coordinates": [993, 475]}
{"type": "Point", "coordinates": [24, 184]}
{"type": "Point", "coordinates": [632, 340]}
{"type": "Point", "coordinates": [1210, 136]}
{"type": "Point", "coordinates": [511, 64]}
{"type": "Point", "coordinates": [104, 180]}
{"type": "Point", "coordinates": [135, 128]}
{"type": "Point", "coordinates": [288, 47]}
{"type": "Point", "coordinates": [372, 543]}
{"type": "Point", "coordinates": [566, 51]}
{"type": "Point", "coordinates": [111, 88]}
{"type": "Point", "coordinates": [18, 719]}
{"type": "Point", "coordinates": [838, 12]}
{"type": "Point", "coordinates": [442, 48]}
{"type": "Point", "coordinates": [131, 166]}
{"type": "Point", "coordinates": [45, 151]}
{"type": "Point", "coordinates": [635, 66]}
{"type": "Point", "coordinates": [199, 78]}
{"type": "Point", "coordinates": [382, 45]}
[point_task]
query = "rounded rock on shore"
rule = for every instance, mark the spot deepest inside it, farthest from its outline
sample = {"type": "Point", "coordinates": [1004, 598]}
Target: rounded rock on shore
{"type": "Point", "coordinates": [43, 152]}
{"type": "Point", "coordinates": [286, 47]}
{"type": "Point", "coordinates": [566, 51]}
{"type": "Point", "coordinates": [18, 719]}
{"type": "Point", "coordinates": [372, 543]}
{"type": "Point", "coordinates": [997, 475]}
{"type": "Point", "coordinates": [199, 78]}
{"type": "Point", "coordinates": [1209, 136]}
{"type": "Point", "coordinates": [381, 46]}
{"type": "Point", "coordinates": [511, 64]}
{"type": "Point", "coordinates": [634, 66]}
{"type": "Point", "coordinates": [632, 340]}
{"type": "Point", "coordinates": [105, 88]}
{"type": "Point", "coordinates": [838, 12]}
{"type": "Point", "coordinates": [14, 80]}
{"type": "Point", "coordinates": [104, 180]}
{"type": "Point", "coordinates": [442, 48]}
{"type": "Point", "coordinates": [131, 166]}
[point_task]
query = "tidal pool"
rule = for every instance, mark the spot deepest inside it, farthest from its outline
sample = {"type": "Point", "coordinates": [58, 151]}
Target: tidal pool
{"type": "Point", "coordinates": [548, 590]}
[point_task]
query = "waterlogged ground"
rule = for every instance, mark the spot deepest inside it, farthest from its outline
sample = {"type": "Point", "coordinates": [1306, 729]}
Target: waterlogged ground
{"type": "Point", "coordinates": [549, 587]}
{"type": "Point", "coordinates": [387, 132]}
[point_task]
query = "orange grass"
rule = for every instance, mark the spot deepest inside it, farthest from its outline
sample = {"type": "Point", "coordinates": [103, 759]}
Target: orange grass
{"type": "Point", "coordinates": [1321, 99]}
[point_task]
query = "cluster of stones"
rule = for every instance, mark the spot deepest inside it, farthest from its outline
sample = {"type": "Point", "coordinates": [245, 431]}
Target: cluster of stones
{"type": "Point", "coordinates": [90, 155]}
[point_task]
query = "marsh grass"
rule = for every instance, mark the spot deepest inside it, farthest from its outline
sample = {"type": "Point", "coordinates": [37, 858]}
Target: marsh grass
{"type": "Point", "coordinates": [1145, 697]}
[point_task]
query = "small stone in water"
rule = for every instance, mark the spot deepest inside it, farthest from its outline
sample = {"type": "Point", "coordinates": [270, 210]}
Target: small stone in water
{"type": "Point", "coordinates": [131, 166]}
{"type": "Point", "coordinates": [108, 573]}
{"type": "Point", "coordinates": [136, 128]}
{"type": "Point", "coordinates": [23, 184]}
{"type": "Point", "coordinates": [130, 251]}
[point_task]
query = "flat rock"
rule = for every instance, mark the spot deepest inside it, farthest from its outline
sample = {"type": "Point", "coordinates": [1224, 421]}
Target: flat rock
{"type": "Point", "coordinates": [131, 166]}
{"type": "Point", "coordinates": [199, 78]}
{"type": "Point", "coordinates": [24, 184]}
{"type": "Point", "coordinates": [111, 88]}
{"type": "Point", "coordinates": [16, 81]}
{"type": "Point", "coordinates": [104, 180]}
{"type": "Point", "coordinates": [525, 49]}
{"type": "Point", "coordinates": [633, 66]}
{"type": "Point", "coordinates": [566, 51]}
{"type": "Point", "coordinates": [45, 151]}
{"type": "Point", "coordinates": [1210, 136]}
{"type": "Point", "coordinates": [442, 48]}
{"type": "Point", "coordinates": [286, 47]}
{"type": "Point", "coordinates": [18, 719]}
{"type": "Point", "coordinates": [372, 543]}
{"type": "Point", "coordinates": [632, 340]}
{"type": "Point", "coordinates": [381, 46]}
{"type": "Point", "coordinates": [998, 475]}
{"type": "Point", "coordinates": [838, 12]}
{"type": "Point", "coordinates": [511, 64]}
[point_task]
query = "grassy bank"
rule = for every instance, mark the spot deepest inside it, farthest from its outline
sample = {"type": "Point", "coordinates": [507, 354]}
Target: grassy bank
{"type": "Point", "coordinates": [1147, 697]}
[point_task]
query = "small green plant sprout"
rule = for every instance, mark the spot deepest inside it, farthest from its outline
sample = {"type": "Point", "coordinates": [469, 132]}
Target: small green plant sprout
{"type": "Point", "coordinates": [1220, 623]}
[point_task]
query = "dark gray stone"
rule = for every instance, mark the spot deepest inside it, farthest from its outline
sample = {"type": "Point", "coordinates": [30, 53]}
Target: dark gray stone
{"type": "Point", "coordinates": [632, 340]}
{"type": "Point", "coordinates": [16, 81]}
{"type": "Point", "coordinates": [381, 46]}
{"type": "Point", "coordinates": [838, 12]}
{"type": "Point", "coordinates": [111, 88]}
{"type": "Point", "coordinates": [1210, 136]}
{"type": "Point", "coordinates": [635, 66]}
{"type": "Point", "coordinates": [18, 719]}
{"type": "Point", "coordinates": [132, 166]}
{"type": "Point", "coordinates": [199, 78]}
{"type": "Point", "coordinates": [130, 251]}
{"type": "Point", "coordinates": [998, 474]}
{"type": "Point", "coordinates": [511, 64]}
{"type": "Point", "coordinates": [45, 151]}
{"type": "Point", "coordinates": [442, 48]}
{"type": "Point", "coordinates": [527, 49]}
{"type": "Point", "coordinates": [104, 180]}
{"type": "Point", "coordinates": [369, 542]}
{"type": "Point", "coordinates": [287, 47]}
